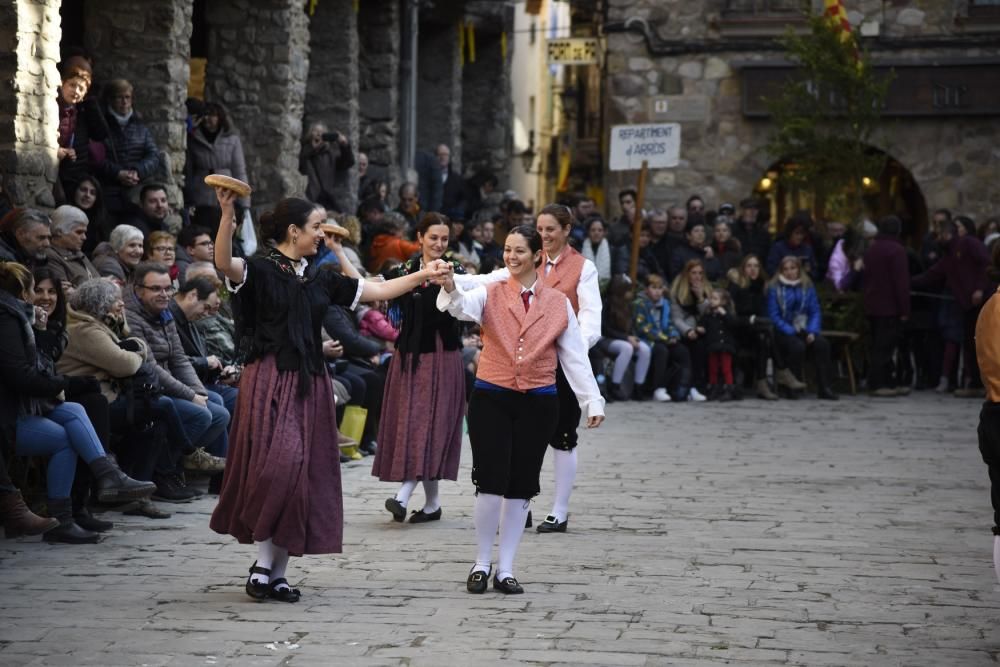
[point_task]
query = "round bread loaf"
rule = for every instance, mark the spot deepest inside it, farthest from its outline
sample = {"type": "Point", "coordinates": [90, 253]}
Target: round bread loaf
{"type": "Point", "coordinates": [334, 228]}
{"type": "Point", "coordinates": [236, 185]}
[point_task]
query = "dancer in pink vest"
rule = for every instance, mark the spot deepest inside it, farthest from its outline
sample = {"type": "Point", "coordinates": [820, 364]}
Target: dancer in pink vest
{"type": "Point", "coordinates": [527, 329]}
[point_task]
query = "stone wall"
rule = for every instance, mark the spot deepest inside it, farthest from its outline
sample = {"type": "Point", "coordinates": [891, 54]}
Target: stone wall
{"type": "Point", "coordinates": [439, 88]}
{"type": "Point", "coordinates": [29, 125]}
{"type": "Point", "coordinates": [332, 88]}
{"type": "Point", "coordinates": [258, 64]}
{"type": "Point", "coordinates": [723, 153]}
{"type": "Point", "coordinates": [378, 79]}
{"type": "Point", "coordinates": [150, 46]}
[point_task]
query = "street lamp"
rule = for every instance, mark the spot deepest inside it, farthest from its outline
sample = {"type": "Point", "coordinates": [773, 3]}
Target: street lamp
{"type": "Point", "coordinates": [528, 154]}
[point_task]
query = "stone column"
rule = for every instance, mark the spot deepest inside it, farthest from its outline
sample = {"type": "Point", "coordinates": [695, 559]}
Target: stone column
{"type": "Point", "coordinates": [258, 62]}
{"type": "Point", "coordinates": [332, 88]}
{"type": "Point", "coordinates": [439, 94]}
{"type": "Point", "coordinates": [378, 72]}
{"type": "Point", "coordinates": [29, 117]}
{"type": "Point", "coordinates": [150, 46]}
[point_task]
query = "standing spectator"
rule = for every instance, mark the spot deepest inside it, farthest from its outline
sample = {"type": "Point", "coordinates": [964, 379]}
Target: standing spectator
{"type": "Point", "coordinates": [363, 175]}
{"type": "Point", "coordinates": [794, 308]}
{"type": "Point", "coordinates": [696, 248]}
{"type": "Point", "coordinates": [80, 122]}
{"type": "Point", "coordinates": [154, 209]}
{"type": "Point", "coordinates": [490, 248]}
{"type": "Point", "coordinates": [480, 194]}
{"type": "Point", "coordinates": [25, 237]}
{"type": "Point", "coordinates": [462, 244]}
{"type": "Point", "coordinates": [326, 165]}
{"type": "Point", "coordinates": [726, 248]}
{"type": "Point", "coordinates": [409, 205]}
{"type": "Point", "coordinates": [441, 188]}
{"type": "Point", "coordinates": [751, 231]}
{"type": "Point", "coordinates": [118, 258]}
{"type": "Point", "coordinates": [695, 205]}
{"type": "Point", "coordinates": [131, 156]}
{"type": "Point", "coordinates": [66, 259]}
{"type": "Point", "coordinates": [795, 242]}
{"type": "Point", "coordinates": [654, 328]}
{"type": "Point", "coordinates": [596, 248]}
{"type": "Point", "coordinates": [212, 148]}
{"type": "Point", "coordinates": [963, 271]}
{"type": "Point", "coordinates": [620, 231]}
{"type": "Point", "coordinates": [688, 301]}
{"type": "Point", "coordinates": [748, 289]}
{"type": "Point", "coordinates": [648, 262]}
{"type": "Point", "coordinates": [719, 323]}
{"type": "Point", "coordinates": [89, 198]}
{"type": "Point", "coordinates": [887, 305]}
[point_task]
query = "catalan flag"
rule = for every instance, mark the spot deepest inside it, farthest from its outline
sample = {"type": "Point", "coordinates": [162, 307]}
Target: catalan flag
{"type": "Point", "coordinates": [837, 16]}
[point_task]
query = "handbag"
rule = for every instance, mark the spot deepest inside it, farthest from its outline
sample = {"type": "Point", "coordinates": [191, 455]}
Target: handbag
{"type": "Point", "coordinates": [248, 234]}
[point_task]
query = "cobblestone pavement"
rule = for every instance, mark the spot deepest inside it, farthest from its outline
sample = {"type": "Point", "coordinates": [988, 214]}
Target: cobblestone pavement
{"type": "Point", "coordinates": [795, 533]}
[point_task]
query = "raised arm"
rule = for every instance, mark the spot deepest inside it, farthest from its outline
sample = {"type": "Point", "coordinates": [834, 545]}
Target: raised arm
{"type": "Point", "coordinates": [337, 248]}
{"type": "Point", "coordinates": [390, 289]}
{"type": "Point", "coordinates": [231, 267]}
{"type": "Point", "coordinates": [469, 281]}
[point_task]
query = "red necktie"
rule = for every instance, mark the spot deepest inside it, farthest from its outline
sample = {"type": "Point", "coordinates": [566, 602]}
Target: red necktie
{"type": "Point", "coordinates": [525, 296]}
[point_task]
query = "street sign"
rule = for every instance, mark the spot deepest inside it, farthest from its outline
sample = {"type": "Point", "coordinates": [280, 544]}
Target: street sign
{"type": "Point", "coordinates": [659, 145]}
{"type": "Point", "coordinates": [572, 51]}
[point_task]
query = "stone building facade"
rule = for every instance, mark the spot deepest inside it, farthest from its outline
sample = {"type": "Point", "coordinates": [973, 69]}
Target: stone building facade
{"type": "Point", "coordinates": [276, 67]}
{"type": "Point", "coordinates": [698, 56]}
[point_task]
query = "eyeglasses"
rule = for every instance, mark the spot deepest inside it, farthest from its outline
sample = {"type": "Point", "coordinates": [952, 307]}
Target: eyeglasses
{"type": "Point", "coordinates": [164, 249]}
{"type": "Point", "coordinates": [159, 290]}
{"type": "Point", "coordinates": [205, 243]}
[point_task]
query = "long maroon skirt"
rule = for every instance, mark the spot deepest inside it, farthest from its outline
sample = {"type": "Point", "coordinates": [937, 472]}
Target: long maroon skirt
{"type": "Point", "coordinates": [420, 432]}
{"type": "Point", "coordinates": [282, 476]}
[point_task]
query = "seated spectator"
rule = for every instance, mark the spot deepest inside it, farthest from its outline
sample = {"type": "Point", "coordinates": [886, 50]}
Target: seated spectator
{"type": "Point", "coordinates": [100, 346]}
{"type": "Point", "coordinates": [202, 411]}
{"type": "Point", "coordinates": [461, 244]}
{"type": "Point", "coordinates": [15, 516]}
{"type": "Point", "coordinates": [409, 206]}
{"type": "Point", "coordinates": [751, 230]}
{"type": "Point", "coordinates": [726, 248]}
{"type": "Point", "coordinates": [80, 125]}
{"type": "Point", "coordinates": [619, 342]}
{"type": "Point", "coordinates": [489, 246]}
{"type": "Point", "coordinates": [654, 327]}
{"type": "Point", "coordinates": [325, 166]}
{"type": "Point", "coordinates": [194, 244]}
{"type": "Point", "coordinates": [25, 236]}
{"type": "Point", "coordinates": [795, 242]}
{"type": "Point", "coordinates": [373, 323]}
{"type": "Point", "coordinates": [688, 300]}
{"type": "Point", "coordinates": [154, 209]}
{"type": "Point", "coordinates": [608, 260]}
{"type": "Point", "coordinates": [89, 198]}
{"type": "Point", "coordinates": [66, 259]}
{"type": "Point", "coordinates": [794, 308]}
{"type": "Point", "coordinates": [696, 249]}
{"type": "Point", "coordinates": [41, 424]}
{"type": "Point", "coordinates": [648, 262]}
{"type": "Point", "coordinates": [388, 242]}
{"type": "Point", "coordinates": [161, 247]}
{"type": "Point", "coordinates": [131, 156]}
{"type": "Point", "coordinates": [217, 328]}
{"type": "Point", "coordinates": [118, 258]}
{"type": "Point", "coordinates": [754, 330]}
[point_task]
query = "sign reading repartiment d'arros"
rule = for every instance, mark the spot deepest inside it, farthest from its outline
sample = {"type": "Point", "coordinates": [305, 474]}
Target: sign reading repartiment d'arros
{"type": "Point", "coordinates": [957, 88]}
{"type": "Point", "coordinates": [659, 145]}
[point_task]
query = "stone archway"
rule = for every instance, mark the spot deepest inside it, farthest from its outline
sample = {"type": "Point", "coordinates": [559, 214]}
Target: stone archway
{"type": "Point", "coordinates": [894, 191]}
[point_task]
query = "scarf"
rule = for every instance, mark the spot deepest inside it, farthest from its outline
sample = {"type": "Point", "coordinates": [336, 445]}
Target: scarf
{"type": "Point", "coordinates": [791, 283]}
{"type": "Point", "coordinates": [300, 330]}
{"type": "Point", "coordinates": [122, 120]}
{"type": "Point", "coordinates": [600, 257]}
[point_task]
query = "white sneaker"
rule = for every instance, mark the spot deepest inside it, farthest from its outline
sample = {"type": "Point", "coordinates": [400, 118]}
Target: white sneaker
{"type": "Point", "coordinates": [696, 396]}
{"type": "Point", "coordinates": [661, 395]}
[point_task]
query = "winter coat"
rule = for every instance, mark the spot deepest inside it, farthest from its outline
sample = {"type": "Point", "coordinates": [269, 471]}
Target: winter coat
{"type": "Point", "coordinates": [886, 279]}
{"type": "Point", "coordinates": [389, 246]}
{"type": "Point", "coordinates": [339, 324]}
{"type": "Point", "coordinates": [10, 251]}
{"type": "Point", "coordinates": [749, 301]}
{"type": "Point", "coordinates": [223, 156]}
{"type": "Point", "coordinates": [93, 350]}
{"type": "Point", "coordinates": [650, 328]}
{"type": "Point", "coordinates": [962, 270]}
{"type": "Point", "coordinates": [177, 376]}
{"type": "Point", "coordinates": [87, 125]}
{"type": "Point", "coordinates": [71, 266]}
{"type": "Point", "coordinates": [720, 331]}
{"type": "Point", "coordinates": [108, 264]}
{"type": "Point", "coordinates": [729, 255]}
{"type": "Point", "coordinates": [803, 251]}
{"type": "Point", "coordinates": [686, 319]}
{"type": "Point", "coordinates": [787, 302]}
{"type": "Point", "coordinates": [128, 147]}
{"type": "Point", "coordinates": [193, 343]}
{"type": "Point", "coordinates": [756, 240]}
{"type": "Point", "coordinates": [326, 169]}
{"type": "Point", "coordinates": [374, 324]}
{"type": "Point", "coordinates": [684, 253]}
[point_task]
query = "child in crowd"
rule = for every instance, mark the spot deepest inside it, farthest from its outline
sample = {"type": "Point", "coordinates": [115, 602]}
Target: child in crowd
{"type": "Point", "coordinates": [654, 327]}
{"type": "Point", "coordinates": [720, 336]}
{"type": "Point", "coordinates": [373, 323]}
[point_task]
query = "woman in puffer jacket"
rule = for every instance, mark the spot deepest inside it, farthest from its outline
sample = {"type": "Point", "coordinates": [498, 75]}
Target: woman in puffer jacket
{"type": "Point", "coordinates": [794, 309]}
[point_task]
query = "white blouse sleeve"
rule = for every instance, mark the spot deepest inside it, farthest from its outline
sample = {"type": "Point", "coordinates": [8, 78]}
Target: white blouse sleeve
{"type": "Point", "coordinates": [463, 305]}
{"type": "Point", "coordinates": [572, 350]}
{"type": "Point", "coordinates": [238, 286]}
{"type": "Point", "coordinates": [468, 281]}
{"type": "Point", "coordinates": [588, 295]}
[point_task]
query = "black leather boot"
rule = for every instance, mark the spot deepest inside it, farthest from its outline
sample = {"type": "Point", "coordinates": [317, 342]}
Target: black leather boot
{"type": "Point", "coordinates": [68, 532]}
{"type": "Point", "coordinates": [114, 486]}
{"type": "Point", "coordinates": [80, 497]}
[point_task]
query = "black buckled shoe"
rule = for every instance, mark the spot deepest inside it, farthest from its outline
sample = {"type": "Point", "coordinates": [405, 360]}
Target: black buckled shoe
{"type": "Point", "coordinates": [257, 590]}
{"type": "Point", "coordinates": [509, 586]}
{"type": "Point", "coordinates": [551, 525]}
{"type": "Point", "coordinates": [397, 509]}
{"type": "Point", "coordinates": [424, 517]}
{"type": "Point", "coordinates": [286, 594]}
{"type": "Point", "coordinates": [478, 581]}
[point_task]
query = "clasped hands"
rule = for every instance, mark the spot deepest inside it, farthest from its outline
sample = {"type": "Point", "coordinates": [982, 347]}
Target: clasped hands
{"type": "Point", "coordinates": [440, 272]}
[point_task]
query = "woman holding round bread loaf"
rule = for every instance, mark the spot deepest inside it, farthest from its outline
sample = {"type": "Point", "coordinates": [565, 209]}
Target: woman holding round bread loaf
{"type": "Point", "coordinates": [282, 485]}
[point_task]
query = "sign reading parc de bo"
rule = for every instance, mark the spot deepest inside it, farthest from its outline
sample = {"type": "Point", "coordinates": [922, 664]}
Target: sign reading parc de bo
{"type": "Point", "coordinates": [659, 145]}
{"type": "Point", "coordinates": [572, 51]}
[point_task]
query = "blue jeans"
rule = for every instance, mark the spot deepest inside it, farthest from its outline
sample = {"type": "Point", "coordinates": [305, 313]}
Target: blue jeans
{"type": "Point", "coordinates": [206, 427]}
{"type": "Point", "coordinates": [62, 434]}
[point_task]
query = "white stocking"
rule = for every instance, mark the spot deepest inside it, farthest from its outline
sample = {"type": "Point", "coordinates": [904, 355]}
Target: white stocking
{"type": "Point", "coordinates": [565, 468]}
{"type": "Point", "coordinates": [265, 559]}
{"type": "Point", "coordinates": [405, 491]}
{"type": "Point", "coordinates": [512, 517]}
{"type": "Point", "coordinates": [487, 518]}
{"type": "Point", "coordinates": [432, 498]}
{"type": "Point", "coordinates": [280, 565]}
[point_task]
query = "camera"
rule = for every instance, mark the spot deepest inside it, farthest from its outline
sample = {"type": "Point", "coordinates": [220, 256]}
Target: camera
{"type": "Point", "coordinates": [331, 136]}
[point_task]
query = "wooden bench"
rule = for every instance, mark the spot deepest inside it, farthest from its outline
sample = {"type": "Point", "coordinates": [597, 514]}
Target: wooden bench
{"type": "Point", "coordinates": [841, 342]}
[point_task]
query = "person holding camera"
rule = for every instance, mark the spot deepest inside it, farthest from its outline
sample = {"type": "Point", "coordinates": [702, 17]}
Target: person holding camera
{"type": "Point", "coordinates": [325, 161]}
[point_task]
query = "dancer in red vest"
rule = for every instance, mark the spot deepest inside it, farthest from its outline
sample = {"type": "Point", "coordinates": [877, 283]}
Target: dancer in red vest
{"type": "Point", "coordinates": [576, 277]}
{"type": "Point", "coordinates": [528, 329]}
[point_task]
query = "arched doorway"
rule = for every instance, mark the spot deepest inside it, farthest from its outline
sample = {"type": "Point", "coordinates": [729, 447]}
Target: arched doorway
{"type": "Point", "coordinates": [894, 191]}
